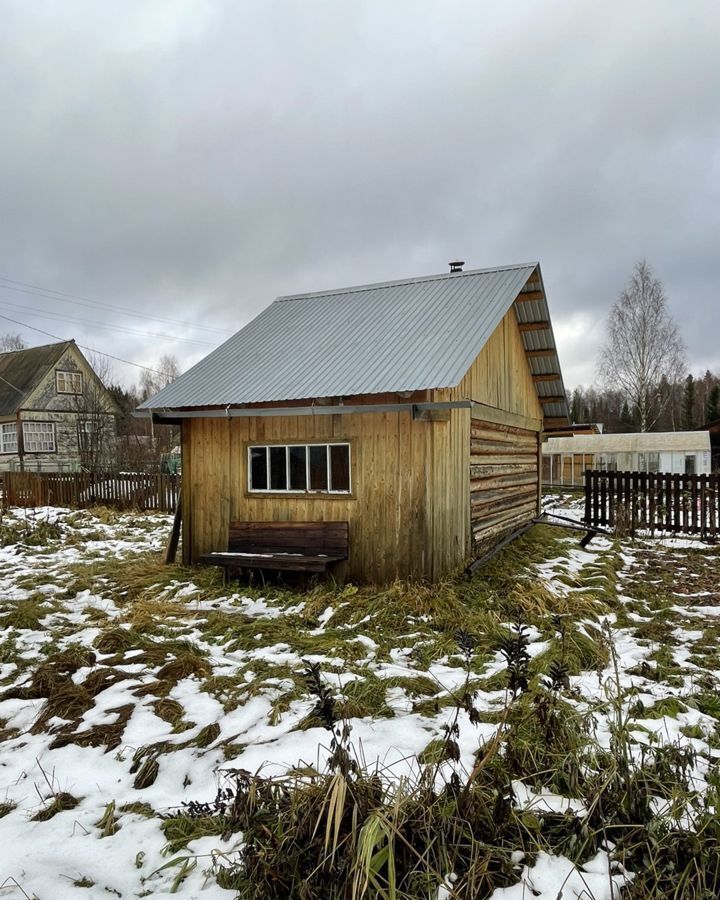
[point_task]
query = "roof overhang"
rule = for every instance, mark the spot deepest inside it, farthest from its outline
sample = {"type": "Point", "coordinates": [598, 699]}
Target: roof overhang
{"type": "Point", "coordinates": [533, 318]}
{"type": "Point", "coordinates": [176, 416]}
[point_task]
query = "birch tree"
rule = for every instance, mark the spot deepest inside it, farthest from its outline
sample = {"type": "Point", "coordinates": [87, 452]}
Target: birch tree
{"type": "Point", "coordinates": [643, 348]}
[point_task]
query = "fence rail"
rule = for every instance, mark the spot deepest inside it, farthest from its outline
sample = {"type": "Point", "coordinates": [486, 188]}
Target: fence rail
{"type": "Point", "coordinates": [124, 490]}
{"type": "Point", "coordinates": [654, 501]}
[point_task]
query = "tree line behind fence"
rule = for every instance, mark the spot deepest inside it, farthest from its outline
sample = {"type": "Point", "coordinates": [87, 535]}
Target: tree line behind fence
{"type": "Point", "coordinates": [654, 501]}
{"type": "Point", "coordinates": [123, 490]}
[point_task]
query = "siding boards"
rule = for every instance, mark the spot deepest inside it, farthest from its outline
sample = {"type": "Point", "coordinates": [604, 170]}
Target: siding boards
{"type": "Point", "coordinates": [393, 481]}
{"type": "Point", "coordinates": [503, 479]}
{"type": "Point", "coordinates": [423, 492]}
{"type": "Point", "coordinates": [500, 375]}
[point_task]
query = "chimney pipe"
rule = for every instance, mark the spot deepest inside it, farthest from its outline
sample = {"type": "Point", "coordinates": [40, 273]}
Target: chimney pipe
{"type": "Point", "coordinates": [457, 265]}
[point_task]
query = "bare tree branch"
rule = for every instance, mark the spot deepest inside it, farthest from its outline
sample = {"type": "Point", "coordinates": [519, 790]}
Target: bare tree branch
{"type": "Point", "coordinates": [643, 348]}
{"type": "Point", "coordinates": [11, 342]}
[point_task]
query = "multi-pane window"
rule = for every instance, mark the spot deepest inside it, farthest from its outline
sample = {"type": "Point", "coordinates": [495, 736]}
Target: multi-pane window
{"type": "Point", "coordinates": [300, 468]}
{"type": "Point", "coordinates": [39, 437]}
{"type": "Point", "coordinates": [8, 438]}
{"type": "Point", "coordinates": [69, 382]}
{"type": "Point", "coordinates": [86, 431]}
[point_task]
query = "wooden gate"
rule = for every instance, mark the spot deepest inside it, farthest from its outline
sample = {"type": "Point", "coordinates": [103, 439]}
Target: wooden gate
{"type": "Point", "coordinates": [654, 501]}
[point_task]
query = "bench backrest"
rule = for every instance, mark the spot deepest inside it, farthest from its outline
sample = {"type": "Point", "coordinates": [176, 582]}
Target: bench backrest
{"type": "Point", "coordinates": [310, 538]}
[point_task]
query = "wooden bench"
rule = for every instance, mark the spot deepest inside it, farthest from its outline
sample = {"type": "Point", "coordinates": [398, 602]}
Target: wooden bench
{"type": "Point", "coordinates": [283, 546]}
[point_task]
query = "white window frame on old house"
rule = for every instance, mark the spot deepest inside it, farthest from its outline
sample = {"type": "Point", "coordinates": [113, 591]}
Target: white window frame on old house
{"type": "Point", "coordinates": [255, 451]}
{"type": "Point", "coordinates": [68, 382]}
{"type": "Point", "coordinates": [86, 429]}
{"type": "Point", "coordinates": [8, 437]}
{"type": "Point", "coordinates": [39, 437]}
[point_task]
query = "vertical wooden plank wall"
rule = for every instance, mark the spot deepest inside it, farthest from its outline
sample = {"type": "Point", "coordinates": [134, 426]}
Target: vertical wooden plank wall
{"type": "Point", "coordinates": [391, 523]}
{"type": "Point", "coordinates": [500, 377]}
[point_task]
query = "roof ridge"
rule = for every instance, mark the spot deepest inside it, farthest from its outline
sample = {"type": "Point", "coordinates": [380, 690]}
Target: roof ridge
{"type": "Point", "coordinates": [442, 276]}
{"type": "Point", "coordinates": [37, 347]}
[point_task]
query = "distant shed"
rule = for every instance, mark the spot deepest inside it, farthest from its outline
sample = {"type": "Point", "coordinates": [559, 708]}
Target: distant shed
{"type": "Point", "coordinates": [411, 409]}
{"type": "Point", "coordinates": [565, 459]}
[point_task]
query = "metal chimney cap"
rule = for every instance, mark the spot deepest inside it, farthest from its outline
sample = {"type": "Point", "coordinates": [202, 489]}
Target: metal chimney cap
{"type": "Point", "coordinates": [457, 265]}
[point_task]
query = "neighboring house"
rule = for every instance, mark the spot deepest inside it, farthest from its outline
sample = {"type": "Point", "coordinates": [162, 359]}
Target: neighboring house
{"type": "Point", "coordinates": [411, 409]}
{"type": "Point", "coordinates": [565, 459]}
{"type": "Point", "coordinates": [55, 414]}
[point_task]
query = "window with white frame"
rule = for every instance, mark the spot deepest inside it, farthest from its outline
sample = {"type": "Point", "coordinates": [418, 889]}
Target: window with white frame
{"type": "Point", "coordinates": [8, 438]}
{"type": "Point", "coordinates": [300, 468]}
{"type": "Point", "coordinates": [39, 437]}
{"type": "Point", "coordinates": [69, 382]}
{"type": "Point", "coordinates": [86, 431]}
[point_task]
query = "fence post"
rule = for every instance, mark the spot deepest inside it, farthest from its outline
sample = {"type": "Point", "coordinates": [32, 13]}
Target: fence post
{"type": "Point", "coordinates": [588, 506]}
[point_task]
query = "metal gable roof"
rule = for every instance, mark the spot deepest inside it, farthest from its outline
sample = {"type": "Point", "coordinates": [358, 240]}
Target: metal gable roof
{"type": "Point", "coordinates": [394, 336]}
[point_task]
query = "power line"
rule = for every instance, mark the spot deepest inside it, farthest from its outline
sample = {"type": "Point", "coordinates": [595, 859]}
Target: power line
{"type": "Point", "coordinates": [82, 346]}
{"type": "Point", "coordinates": [65, 318]}
{"type": "Point", "coordinates": [24, 287]}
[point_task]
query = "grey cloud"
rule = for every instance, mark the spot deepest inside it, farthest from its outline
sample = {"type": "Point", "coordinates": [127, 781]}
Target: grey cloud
{"type": "Point", "coordinates": [200, 158]}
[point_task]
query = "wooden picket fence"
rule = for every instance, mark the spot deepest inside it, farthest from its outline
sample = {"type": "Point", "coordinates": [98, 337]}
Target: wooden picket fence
{"type": "Point", "coordinates": [654, 501]}
{"type": "Point", "coordinates": [122, 490]}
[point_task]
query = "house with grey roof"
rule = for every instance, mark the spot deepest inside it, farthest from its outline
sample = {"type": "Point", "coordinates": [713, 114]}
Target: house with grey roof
{"type": "Point", "coordinates": [55, 413]}
{"type": "Point", "coordinates": [410, 409]}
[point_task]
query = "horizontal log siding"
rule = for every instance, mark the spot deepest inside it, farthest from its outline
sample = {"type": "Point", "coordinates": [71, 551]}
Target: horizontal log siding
{"type": "Point", "coordinates": [406, 513]}
{"type": "Point", "coordinates": [503, 479]}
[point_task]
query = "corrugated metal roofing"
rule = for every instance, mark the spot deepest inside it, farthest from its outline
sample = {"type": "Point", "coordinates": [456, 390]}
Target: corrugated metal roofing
{"type": "Point", "coordinates": [21, 371]}
{"type": "Point", "coordinates": [396, 336]}
{"type": "Point", "coordinates": [692, 441]}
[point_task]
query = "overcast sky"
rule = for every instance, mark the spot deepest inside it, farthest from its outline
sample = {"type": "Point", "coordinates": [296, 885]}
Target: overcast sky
{"type": "Point", "coordinates": [193, 159]}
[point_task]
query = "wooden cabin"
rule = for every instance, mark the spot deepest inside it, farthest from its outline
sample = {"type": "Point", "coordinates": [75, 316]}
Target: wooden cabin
{"type": "Point", "coordinates": [410, 409]}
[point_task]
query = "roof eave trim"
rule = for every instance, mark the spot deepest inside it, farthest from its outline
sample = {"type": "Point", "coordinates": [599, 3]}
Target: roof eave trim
{"type": "Point", "coordinates": [173, 415]}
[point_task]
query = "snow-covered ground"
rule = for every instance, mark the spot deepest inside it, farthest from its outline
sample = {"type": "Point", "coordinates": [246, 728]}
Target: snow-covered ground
{"type": "Point", "coordinates": [93, 683]}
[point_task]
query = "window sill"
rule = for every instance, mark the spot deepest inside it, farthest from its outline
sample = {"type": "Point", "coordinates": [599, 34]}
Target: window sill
{"type": "Point", "coordinates": [297, 495]}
